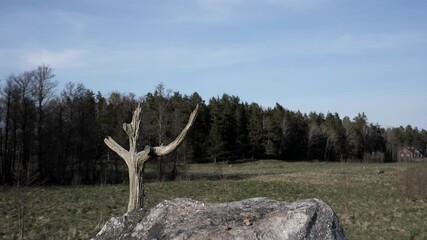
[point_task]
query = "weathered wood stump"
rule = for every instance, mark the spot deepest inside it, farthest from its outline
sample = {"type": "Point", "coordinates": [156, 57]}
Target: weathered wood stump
{"type": "Point", "coordinates": [136, 160]}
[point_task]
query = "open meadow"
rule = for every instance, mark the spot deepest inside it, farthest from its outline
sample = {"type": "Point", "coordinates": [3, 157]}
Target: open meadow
{"type": "Point", "coordinates": [372, 201]}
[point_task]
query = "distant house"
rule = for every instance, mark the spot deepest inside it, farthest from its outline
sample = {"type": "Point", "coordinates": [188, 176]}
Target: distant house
{"type": "Point", "coordinates": [409, 153]}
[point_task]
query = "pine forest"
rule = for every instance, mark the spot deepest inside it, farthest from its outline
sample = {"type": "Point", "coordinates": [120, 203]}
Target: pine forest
{"type": "Point", "coordinates": [55, 136]}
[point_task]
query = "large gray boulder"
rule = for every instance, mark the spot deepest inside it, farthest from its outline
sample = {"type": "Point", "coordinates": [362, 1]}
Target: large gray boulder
{"type": "Point", "coordinates": [256, 218]}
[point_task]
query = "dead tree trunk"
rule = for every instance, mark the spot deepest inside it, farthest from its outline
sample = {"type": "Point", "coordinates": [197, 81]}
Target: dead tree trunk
{"type": "Point", "coordinates": [135, 160]}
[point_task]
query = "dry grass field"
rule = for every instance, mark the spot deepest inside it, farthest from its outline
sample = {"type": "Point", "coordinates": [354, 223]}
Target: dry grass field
{"type": "Point", "coordinates": [372, 201]}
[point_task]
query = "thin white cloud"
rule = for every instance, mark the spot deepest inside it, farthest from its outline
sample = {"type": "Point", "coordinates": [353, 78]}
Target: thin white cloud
{"type": "Point", "coordinates": [64, 24]}
{"type": "Point", "coordinates": [160, 58]}
{"type": "Point", "coordinates": [232, 11]}
{"type": "Point", "coordinates": [207, 11]}
{"type": "Point", "coordinates": [64, 59]}
{"type": "Point", "coordinates": [165, 55]}
{"type": "Point", "coordinates": [296, 4]}
{"type": "Point", "coordinates": [350, 44]}
{"type": "Point", "coordinates": [9, 62]}
{"type": "Point", "coordinates": [219, 4]}
{"type": "Point", "coordinates": [73, 21]}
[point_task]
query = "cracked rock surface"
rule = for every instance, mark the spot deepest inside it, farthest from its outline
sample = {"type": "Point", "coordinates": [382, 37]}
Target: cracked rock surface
{"type": "Point", "coordinates": [255, 218]}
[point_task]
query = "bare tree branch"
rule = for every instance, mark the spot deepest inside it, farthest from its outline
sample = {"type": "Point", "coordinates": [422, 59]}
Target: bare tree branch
{"type": "Point", "coordinates": [113, 145]}
{"type": "Point", "coordinates": [164, 150]}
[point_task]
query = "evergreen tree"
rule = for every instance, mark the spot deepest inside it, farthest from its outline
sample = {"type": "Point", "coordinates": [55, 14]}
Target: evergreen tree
{"type": "Point", "coordinates": [242, 135]}
{"type": "Point", "coordinates": [216, 143]}
{"type": "Point", "coordinates": [255, 131]}
{"type": "Point", "coordinates": [229, 127]}
{"type": "Point", "coordinates": [197, 140]}
{"type": "Point", "coordinates": [273, 132]}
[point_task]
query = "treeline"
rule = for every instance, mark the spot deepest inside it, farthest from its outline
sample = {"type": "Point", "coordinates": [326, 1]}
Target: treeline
{"type": "Point", "coordinates": [56, 136]}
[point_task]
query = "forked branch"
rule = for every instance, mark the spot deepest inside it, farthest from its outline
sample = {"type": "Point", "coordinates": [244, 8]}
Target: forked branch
{"type": "Point", "coordinates": [135, 160]}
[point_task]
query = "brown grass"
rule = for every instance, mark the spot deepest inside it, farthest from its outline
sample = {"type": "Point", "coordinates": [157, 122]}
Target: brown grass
{"type": "Point", "coordinates": [369, 205]}
{"type": "Point", "coordinates": [412, 181]}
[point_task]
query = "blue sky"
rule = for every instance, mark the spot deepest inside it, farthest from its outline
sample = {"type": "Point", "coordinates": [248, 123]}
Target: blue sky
{"type": "Point", "coordinates": [340, 56]}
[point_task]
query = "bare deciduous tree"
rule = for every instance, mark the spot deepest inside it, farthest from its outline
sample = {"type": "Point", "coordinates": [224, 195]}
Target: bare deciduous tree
{"type": "Point", "coordinates": [313, 130]}
{"type": "Point", "coordinates": [43, 89]}
{"type": "Point", "coordinates": [135, 160]}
